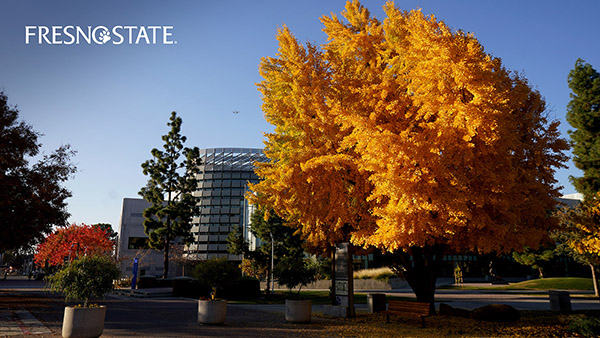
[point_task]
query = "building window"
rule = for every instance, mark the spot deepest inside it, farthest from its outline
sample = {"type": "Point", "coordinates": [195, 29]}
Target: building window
{"type": "Point", "coordinates": [137, 243]}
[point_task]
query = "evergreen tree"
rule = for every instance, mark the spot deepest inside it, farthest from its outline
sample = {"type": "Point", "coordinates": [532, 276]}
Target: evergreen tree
{"type": "Point", "coordinates": [170, 189]}
{"type": "Point", "coordinates": [285, 243]}
{"type": "Point", "coordinates": [256, 263]}
{"type": "Point", "coordinates": [276, 238]}
{"type": "Point", "coordinates": [536, 259]}
{"type": "Point", "coordinates": [236, 244]}
{"type": "Point", "coordinates": [285, 240]}
{"type": "Point", "coordinates": [584, 115]}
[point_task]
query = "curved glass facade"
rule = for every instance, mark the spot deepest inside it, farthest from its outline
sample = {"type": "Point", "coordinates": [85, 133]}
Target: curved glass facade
{"type": "Point", "coordinates": [222, 183]}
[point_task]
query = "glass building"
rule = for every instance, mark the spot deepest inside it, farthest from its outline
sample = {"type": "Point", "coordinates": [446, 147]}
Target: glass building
{"type": "Point", "coordinates": [222, 183]}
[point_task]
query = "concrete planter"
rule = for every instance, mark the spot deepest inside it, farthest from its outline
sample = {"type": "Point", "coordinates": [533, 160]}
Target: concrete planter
{"type": "Point", "coordinates": [298, 311]}
{"type": "Point", "coordinates": [560, 301]}
{"type": "Point", "coordinates": [212, 311]}
{"type": "Point", "coordinates": [83, 322]}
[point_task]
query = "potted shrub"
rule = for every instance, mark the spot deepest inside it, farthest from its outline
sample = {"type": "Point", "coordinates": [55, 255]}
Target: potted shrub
{"type": "Point", "coordinates": [212, 310]}
{"type": "Point", "coordinates": [85, 279]}
{"type": "Point", "coordinates": [220, 275]}
{"type": "Point", "coordinates": [293, 272]}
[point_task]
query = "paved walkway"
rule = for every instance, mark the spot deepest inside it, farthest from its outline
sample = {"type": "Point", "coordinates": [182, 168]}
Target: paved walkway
{"type": "Point", "coordinates": [143, 317]}
{"type": "Point", "coordinates": [176, 317]}
{"type": "Point", "coordinates": [519, 299]}
{"type": "Point", "coordinates": [21, 323]}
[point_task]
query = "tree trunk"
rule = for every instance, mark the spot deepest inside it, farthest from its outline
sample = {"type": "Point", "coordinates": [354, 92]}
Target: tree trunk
{"type": "Point", "coordinates": [420, 267]}
{"type": "Point", "coordinates": [271, 265]}
{"type": "Point", "coordinates": [166, 259]}
{"type": "Point", "coordinates": [594, 280]}
{"type": "Point", "coordinates": [167, 239]}
{"type": "Point", "coordinates": [351, 312]}
{"type": "Point", "coordinates": [332, 294]}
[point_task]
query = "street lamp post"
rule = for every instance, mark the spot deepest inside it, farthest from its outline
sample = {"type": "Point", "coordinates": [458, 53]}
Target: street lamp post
{"type": "Point", "coordinates": [272, 265]}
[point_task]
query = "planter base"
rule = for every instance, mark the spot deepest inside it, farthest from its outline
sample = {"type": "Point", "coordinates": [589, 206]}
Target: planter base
{"type": "Point", "coordinates": [298, 311]}
{"type": "Point", "coordinates": [212, 311]}
{"type": "Point", "coordinates": [81, 322]}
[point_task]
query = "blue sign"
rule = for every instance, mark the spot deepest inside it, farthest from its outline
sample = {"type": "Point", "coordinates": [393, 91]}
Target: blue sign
{"type": "Point", "coordinates": [135, 270]}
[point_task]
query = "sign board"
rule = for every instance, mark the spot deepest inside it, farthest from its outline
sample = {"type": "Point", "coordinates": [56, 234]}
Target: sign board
{"type": "Point", "coordinates": [341, 261]}
{"type": "Point", "coordinates": [341, 300]}
{"type": "Point", "coordinates": [135, 272]}
{"type": "Point", "coordinates": [343, 287]}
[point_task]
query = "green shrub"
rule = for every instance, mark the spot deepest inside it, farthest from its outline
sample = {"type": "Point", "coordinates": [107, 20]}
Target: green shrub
{"type": "Point", "coordinates": [218, 273]}
{"type": "Point", "coordinates": [86, 278]}
{"type": "Point", "coordinates": [190, 288]}
{"type": "Point", "coordinates": [323, 267]}
{"type": "Point", "coordinates": [293, 272]}
{"type": "Point", "coordinates": [246, 288]}
{"type": "Point", "coordinates": [198, 289]}
{"type": "Point", "coordinates": [587, 327]}
{"type": "Point", "coordinates": [146, 282]}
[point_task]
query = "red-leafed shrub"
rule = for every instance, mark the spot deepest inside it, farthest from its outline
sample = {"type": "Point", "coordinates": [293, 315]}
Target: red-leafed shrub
{"type": "Point", "coordinates": [70, 242]}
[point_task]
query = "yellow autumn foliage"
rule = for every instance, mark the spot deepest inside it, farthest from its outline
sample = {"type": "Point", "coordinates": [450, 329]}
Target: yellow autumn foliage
{"type": "Point", "coordinates": [405, 133]}
{"type": "Point", "coordinates": [582, 228]}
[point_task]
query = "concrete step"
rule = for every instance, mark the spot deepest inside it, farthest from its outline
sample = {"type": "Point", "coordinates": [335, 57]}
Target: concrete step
{"type": "Point", "coordinates": [145, 293]}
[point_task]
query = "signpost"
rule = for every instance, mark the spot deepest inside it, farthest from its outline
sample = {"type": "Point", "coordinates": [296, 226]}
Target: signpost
{"type": "Point", "coordinates": [343, 278]}
{"type": "Point", "coordinates": [135, 272]}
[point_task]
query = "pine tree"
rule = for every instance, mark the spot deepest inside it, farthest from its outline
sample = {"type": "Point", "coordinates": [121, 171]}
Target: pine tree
{"type": "Point", "coordinates": [584, 115]}
{"type": "Point", "coordinates": [277, 241]}
{"type": "Point", "coordinates": [170, 189]}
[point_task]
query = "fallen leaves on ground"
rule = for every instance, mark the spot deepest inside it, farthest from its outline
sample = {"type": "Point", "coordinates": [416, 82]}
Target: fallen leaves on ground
{"type": "Point", "coordinates": [532, 324]}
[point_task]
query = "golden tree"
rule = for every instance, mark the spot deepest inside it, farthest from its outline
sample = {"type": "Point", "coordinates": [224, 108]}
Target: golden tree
{"type": "Point", "coordinates": [406, 136]}
{"type": "Point", "coordinates": [580, 235]}
{"type": "Point", "coordinates": [586, 218]}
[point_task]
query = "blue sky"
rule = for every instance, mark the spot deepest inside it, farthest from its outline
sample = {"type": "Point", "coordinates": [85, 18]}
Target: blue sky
{"type": "Point", "coordinates": [111, 103]}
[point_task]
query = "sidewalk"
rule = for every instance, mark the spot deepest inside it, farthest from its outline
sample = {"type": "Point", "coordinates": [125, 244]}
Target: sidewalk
{"type": "Point", "coordinates": [519, 299]}
{"type": "Point", "coordinates": [160, 318]}
{"type": "Point", "coordinates": [21, 322]}
{"type": "Point", "coordinates": [29, 310]}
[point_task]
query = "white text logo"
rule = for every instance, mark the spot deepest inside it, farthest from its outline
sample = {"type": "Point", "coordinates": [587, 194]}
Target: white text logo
{"type": "Point", "coordinates": [100, 35]}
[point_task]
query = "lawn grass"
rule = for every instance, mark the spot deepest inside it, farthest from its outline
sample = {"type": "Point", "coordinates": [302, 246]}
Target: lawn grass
{"type": "Point", "coordinates": [322, 297]}
{"type": "Point", "coordinates": [559, 283]}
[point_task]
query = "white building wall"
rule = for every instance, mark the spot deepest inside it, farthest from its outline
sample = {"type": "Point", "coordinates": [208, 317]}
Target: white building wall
{"type": "Point", "coordinates": [131, 227]}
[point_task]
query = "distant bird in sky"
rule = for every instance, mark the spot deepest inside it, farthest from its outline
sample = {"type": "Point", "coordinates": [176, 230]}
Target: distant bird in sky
{"type": "Point", "coordinates": [236, 111]}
